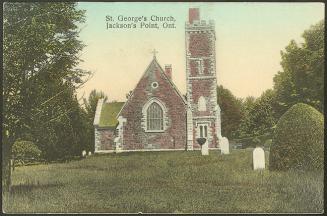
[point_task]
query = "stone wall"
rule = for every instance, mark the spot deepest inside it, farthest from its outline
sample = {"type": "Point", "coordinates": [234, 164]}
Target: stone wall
{"type": "Point", "coordinates": [200, 44]}
{"type": "Point", "coordinates": [104, 139]}
{"type": "Point", "coordinates": [134, 133]}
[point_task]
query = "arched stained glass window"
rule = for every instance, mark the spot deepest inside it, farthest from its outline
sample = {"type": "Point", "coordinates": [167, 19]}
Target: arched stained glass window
{"type": "Point", "coordinates": [154, 117]}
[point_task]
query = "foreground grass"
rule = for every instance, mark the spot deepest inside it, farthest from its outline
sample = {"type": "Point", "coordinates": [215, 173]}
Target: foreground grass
{"type": "Point", "coordinates": [163, 182]}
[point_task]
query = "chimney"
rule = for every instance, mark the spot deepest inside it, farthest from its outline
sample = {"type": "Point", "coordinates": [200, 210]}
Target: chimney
{"type": "Point", "coordinates": [193, 14]}
{"type": "Point", "coordinates": [168, 71]}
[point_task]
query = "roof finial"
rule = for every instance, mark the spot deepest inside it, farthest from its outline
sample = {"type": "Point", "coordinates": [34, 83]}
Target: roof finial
{"type": "Point", "coordinates": [154, 53]}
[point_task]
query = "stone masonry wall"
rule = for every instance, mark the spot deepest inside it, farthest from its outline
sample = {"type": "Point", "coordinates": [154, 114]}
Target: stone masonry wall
{"type": "Point", "coordinates": [201, 77]}
{"type": "Point", "coordinates": [200, 44]}
{"type": "Point", "coordinates": [135, 136]}
{"type": "Point", "coordinates": [106, 139]}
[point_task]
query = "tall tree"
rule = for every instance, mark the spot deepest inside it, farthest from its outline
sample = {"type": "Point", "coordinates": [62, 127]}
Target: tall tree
{"type": "Point", "coordinates": [91, 103]}
{"type": "Point", "coordinates": [231, 113]}
{"type": "Point", "coordinates": [244, 129]}
{"type": "Point", "coordinates": [259, 115]}
{"type": "Point", "coordinates": [40, 55]}
{"type": "Point", "coordinates": [302, 78]}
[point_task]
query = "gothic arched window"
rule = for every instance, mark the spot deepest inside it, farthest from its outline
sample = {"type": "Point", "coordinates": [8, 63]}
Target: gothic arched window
{"type": "Point", "coordinates": [154, 117]}
{"type": "Point", "coordinates": [202, 104]}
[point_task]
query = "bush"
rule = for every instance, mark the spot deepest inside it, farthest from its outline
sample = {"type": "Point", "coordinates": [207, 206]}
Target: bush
{"type": "Point", "coordinates": [267, 143]}
{"type": "Point", "coordinates": [252, 142]}
{"type": "Point", "coordinates": [25, 150]}
{"type": "Point", "coordinates": [298, 142]}
{"type": "Point", "coordinates": [256, 142]}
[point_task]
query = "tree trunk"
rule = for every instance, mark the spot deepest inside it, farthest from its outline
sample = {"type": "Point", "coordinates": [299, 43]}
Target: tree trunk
{"type": "Point", "coordinates": [12, 161]}
{"type": "Point", "coordinates": [6, 165]}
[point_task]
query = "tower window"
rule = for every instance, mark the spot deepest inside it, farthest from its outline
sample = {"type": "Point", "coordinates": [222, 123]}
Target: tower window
{"type": "Point", "coordinates": [202, 104]}
{"type": "Point", "coordinates": [203, 129]}
{"type": "Point", "coordinates": [154, 117]}
{"type": "Point", "coordinates": [200, 66]}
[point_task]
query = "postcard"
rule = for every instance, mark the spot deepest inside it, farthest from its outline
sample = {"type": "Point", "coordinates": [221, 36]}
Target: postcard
{"type": "Point", "coordinates": [163, 107]}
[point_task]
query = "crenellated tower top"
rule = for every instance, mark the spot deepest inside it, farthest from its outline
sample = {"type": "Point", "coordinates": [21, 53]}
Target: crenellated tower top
{"type": "Point", "coordinates": [196, 24]}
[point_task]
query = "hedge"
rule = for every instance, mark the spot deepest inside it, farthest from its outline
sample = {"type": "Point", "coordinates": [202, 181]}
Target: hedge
{"type": "Point", "coordinates": [298, 141]}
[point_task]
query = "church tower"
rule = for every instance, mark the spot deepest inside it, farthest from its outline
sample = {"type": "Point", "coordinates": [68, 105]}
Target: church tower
{"type": "Point", "coordinates": [203, 114]}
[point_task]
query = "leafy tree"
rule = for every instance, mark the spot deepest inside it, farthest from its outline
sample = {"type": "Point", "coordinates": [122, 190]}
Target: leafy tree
{"type": "Point", "coordinates": [244, 127]}
{"type": "Point", "coordinates": [300, 81]}
{"type": "Point", "coordinates": [23, 151]}
{"type": "Point", "coordinates": [259, 116]}
{"type": "Point", "coordinates": [91, 103]}
{"type": "Point", "coordinates": [66, 133]}
{"type": "Point", "coordinates": [248, 104]}
{"type": "Point", "coordinates": [302, 78]}
{"type": "Point", "coordinates": [40, 46]}
{"type": "Point", "coordinates": [231, 113]}
{"type": "Point", "coordinates": [263, 115]}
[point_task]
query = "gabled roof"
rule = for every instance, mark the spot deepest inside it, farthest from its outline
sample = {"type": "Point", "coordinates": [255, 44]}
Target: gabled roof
{"type": "Point", "coordinates": [108, 114]}
{"type": "Point", "coordinates": [98, 112]}
{"type": "Point", "coordinates": [154, 64]}
{"type": "Point", "coordinates": [171, 83]}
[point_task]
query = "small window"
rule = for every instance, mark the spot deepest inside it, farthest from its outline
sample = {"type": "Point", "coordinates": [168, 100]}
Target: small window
{"type": "Point", "coordinates": [203, 129]}
{"type": "Point", "coordinates": [154, 85]}
{"type": "Point", "coordinates": [200, 66]}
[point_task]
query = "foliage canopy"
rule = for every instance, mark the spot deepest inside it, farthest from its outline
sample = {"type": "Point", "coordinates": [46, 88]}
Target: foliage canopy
{"type": "Point", "coordinates": [298, 142]}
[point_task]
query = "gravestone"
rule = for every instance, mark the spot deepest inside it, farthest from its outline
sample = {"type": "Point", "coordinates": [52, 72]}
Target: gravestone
{"type": "Point", "coordinates": [205, 149]}
{"type": "Point", "coordinates": [258, 158]}
{"type": "Point", "coordinates": [90, 153]}
{"type": "Point", "coordinates": [83, 153]}
{"type": "Point", "coordinates": [224, 146]}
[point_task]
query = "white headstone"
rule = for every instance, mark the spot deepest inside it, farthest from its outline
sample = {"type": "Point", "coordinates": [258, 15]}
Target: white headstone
{"type": "Point", "coordinates": [224, 146]}
{"type": "Point", "coordinates": [205, 149]}
{"type": "Point", "coordinates": [118, 148]}
{"type": "Point", "coordinates": [83, 153]}
{"type": "Point", "coordinates": [258, 158]}
{"type": "Point", "coordinates": [90, 153]}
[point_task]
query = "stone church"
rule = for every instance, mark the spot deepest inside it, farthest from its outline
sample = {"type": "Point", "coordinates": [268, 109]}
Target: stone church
{"type": "Point", "coordinates": [156, 116]}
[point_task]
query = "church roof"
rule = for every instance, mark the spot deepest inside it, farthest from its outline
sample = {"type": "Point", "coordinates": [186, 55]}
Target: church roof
{"type": "Point", "coordinates": [154, 64]}
{"type": "Point", "coordinates": [149, 70]}
{"type": "Point", "coordinates": [108, 114]}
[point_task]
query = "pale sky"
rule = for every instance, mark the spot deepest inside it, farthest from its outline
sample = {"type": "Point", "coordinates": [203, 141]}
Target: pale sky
{"type": "Point", "coordinates": [249, 36]}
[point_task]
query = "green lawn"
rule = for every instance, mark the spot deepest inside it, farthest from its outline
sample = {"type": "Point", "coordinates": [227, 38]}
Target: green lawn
{"type": "Point", "coordinates": [163, 182]}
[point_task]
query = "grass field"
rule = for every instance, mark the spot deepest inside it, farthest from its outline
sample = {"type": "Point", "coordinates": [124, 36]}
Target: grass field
{"type": "Point", "coordinates": [173, 182]}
